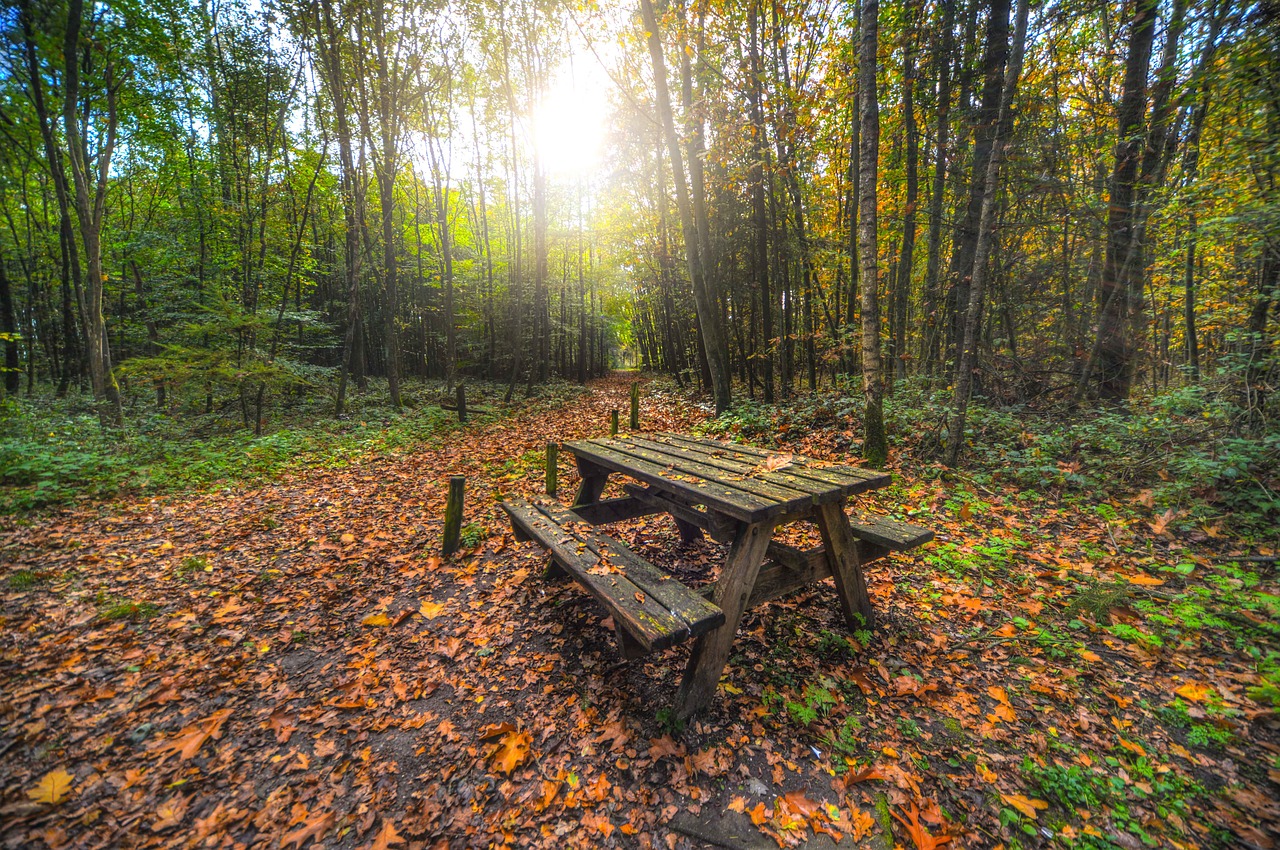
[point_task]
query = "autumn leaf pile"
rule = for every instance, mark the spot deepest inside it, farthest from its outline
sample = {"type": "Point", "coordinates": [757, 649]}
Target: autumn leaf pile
{"type": "Point", "coordinates": [295, 666]}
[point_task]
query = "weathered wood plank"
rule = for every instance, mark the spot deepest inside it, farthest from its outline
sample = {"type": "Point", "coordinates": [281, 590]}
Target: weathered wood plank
{"type": "Point", "coordinates": [652, 625]}
{"type": "Point", "coordinates": [890, 533]}
{"type": "Point", "coordinates": [712, 469]}
{"type": "Point", "coordinates": [843, 558]}
{"type": "Point", "coordinates": [721, 528]}
{"type": "Point", "coordinates": [682, 601]}
{"type": "Point", "coordinates": [615, 510]}
{"type": "Point", "coordinates": [856, 480]}
{"type": "Point", "coordinates": [736, 503]}
{"type": "Point", "coordinates": [593, 479]}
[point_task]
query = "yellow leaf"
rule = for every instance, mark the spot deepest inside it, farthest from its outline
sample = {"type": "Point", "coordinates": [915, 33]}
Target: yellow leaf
{"type": "Point", "coordinates": [890, 752]}
{"type": "Point", "coordinates": [986, 774]}
{"type": "Point", "coordinates": [377, 620]}
{"type": "Point", "coordinates": [1025, 805]}
{"type": "Point", "coordinates": [1146, 580]}
{"type": "Point", "coordinates": [430, 609]}
{"type": "Point", "coordinates": [1090, 656]}
{"type": "Point", "coordinates": [1195, 693]}
{"type": "Point", "coordinates": [730, 689]}
{"type": "Point", "coordinates": [347, 539]}
{"type": "Point", "coordinates": [53, 787]}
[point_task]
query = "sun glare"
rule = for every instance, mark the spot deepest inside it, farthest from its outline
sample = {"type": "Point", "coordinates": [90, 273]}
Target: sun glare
{"type": "Point", "coordinates": [569, 128]}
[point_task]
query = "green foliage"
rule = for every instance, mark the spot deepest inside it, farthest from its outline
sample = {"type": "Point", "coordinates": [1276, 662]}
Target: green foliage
{"type": "Point", "coordinates": [22, 580]}
{"type": "Point", "coordinates": [54, 451]}
{"type": "Point", "coordinates": [1072, 787]}
{"type": "Point", "coordinates": [126, 609]}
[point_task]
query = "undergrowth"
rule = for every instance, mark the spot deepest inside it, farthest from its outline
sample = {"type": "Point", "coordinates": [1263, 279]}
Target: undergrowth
{"type": "Point", "coordinates": [55, 452]}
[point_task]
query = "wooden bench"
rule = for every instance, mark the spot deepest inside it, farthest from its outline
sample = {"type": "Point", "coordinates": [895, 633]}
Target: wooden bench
{"type": "Point", "coordinates": [650, 609]}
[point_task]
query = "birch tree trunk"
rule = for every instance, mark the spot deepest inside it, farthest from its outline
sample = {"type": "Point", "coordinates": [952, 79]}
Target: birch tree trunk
{"type": "Point", "coordinates": [875, 448]}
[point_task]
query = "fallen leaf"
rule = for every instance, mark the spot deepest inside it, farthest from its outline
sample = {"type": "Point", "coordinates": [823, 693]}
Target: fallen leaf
{"type": "Point", "coordinates": [313, 828]}
{"type": "Point", "coordinates": [919, 835]}
{"type": "Point", "coordinates": [376, 620]}
{"type": "Point", "coordinates": [52, 788]}
{"type": "Point", "coordinates": [347, 539]}
{"type": "Point", "coordinates": [1145, 580]}
{"type": "Point", "coordinates": [189, 741]}
{"type": "Point", "coordinates": [430, 609]}
{"type": "Point", "coordinates": [1195, 693]}
{"type": "Point", "coordinates": [1024, 804]}
{"type": "Point", "coordinates": [387, 837]}
{"type": "Point", "coordinates": [512, 751]}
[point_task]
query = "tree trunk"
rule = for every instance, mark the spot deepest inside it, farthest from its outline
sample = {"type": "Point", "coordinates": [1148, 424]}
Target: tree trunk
{"type": "Point", "coordinates": [711, 327]}
{"type": "Point", "coordinates": [90, 203]}
{"type": "Point", "coordinates": [932, 321]}
{"type": "Point", "coordinates": [967, 360]}
{"type": "Point", "coordinates": [875, 448]}
{"type": "Point", "coordinates": [759, 212]}
{"type": "Point", "coordinates": [1116, 347]}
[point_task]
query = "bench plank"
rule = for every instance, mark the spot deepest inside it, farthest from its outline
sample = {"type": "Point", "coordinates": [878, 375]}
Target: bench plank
{"type": "Point", "coordinates": [651, 606]}
{"type": "Point", "coordinates": [890, 533]}
{"type": "Point", "coordinates": [686, 604]}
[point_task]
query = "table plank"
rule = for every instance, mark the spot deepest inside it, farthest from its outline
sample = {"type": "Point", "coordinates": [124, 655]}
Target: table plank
{"type": "Point", "coordinates": [854, 479]}
{"type": "Point", "coordinates": [824, 485]}
{"type": "Point", "coordinates": [692, 464]}
{"type": "Point", "coordinates": [736, 503]}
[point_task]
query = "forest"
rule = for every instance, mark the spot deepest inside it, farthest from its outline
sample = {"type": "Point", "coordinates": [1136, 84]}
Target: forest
{"type": "Point", "coordinates": [273, 271]}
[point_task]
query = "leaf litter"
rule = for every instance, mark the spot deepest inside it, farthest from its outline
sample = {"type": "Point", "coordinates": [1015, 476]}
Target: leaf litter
{"type": "Point", "coordinates": [328, 679]}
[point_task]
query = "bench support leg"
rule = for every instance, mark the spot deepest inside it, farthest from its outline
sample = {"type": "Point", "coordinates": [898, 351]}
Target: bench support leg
{"type": "Point", "coordinates": [689, 533]}
{"type": "Point", "coordinates": [711, 650]}
{"type": "Point", "coordinates": [554, 570]}
{"type": "Point", "coordinates": [630, 647]}
{"type": "Point", "coordinates": [846, 566]}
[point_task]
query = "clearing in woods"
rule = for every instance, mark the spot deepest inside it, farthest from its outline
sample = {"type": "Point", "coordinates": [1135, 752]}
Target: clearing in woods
{"type": "Point", "coordinates": [296, 665]}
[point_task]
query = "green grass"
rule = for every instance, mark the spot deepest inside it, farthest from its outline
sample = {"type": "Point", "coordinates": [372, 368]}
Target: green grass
{"type": "Point", "coordinates": [54, 451]}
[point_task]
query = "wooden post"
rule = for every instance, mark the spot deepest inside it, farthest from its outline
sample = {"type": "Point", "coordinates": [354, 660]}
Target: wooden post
{"type": "Point", "coordinates": [613, 423]}
{"type": "Point", "coordinates": [635, 406]}
{"type": "Point", "coordinates": [462, 403]}
{"type": "Point", "coordinates": [453, 514]}
{"type": "Point", "coordinates": [552, 448]}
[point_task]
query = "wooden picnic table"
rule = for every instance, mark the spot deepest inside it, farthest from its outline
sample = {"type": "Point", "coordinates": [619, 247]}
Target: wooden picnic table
{"type": "Point", "coordinates": [737, 494]}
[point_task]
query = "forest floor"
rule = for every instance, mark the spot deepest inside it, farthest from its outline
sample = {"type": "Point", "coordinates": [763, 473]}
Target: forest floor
{"type": "Point", "coordinates": [294, 665]}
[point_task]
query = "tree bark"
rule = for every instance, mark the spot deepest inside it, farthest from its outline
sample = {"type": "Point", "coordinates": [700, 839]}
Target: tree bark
{"type": "Point", "coordinates": [875, 448]}
{"type": "Point", "coordinates": [90, 203]}
{"type": "Point", "coordinates": [968, 355]}
{"type": "Point", "coordinates": [1116, 347]}
{"type": "Point", "coordinates": [711, 327]}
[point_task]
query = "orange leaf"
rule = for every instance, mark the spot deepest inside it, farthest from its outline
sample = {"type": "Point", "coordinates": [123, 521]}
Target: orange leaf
{"type": "Point", "coordinates": [430, 609]}
{"type": "Point", "coordinates": [387, 837]}
{"type": "Point", "coordinates": [759, 814]}
{"type": "Point", "coordinates": [1146, 580]}
{"type": "Point", "coordinates": [189, 741]}
{"type": "Point", "coordinates": [1024, 804]}
{"type": "Point", "coordinates": [53, 788]}
{"type": "Point", "coordinates": [512, 751]}
{"type": "Point", "coordinates": [313, 828]}
{"type": "Point", "coordinates": [921, 836]}
{"type": "Point", "coordinates": [1132, 747]}
{"type": "Point", "coordinates": [1195, 693]}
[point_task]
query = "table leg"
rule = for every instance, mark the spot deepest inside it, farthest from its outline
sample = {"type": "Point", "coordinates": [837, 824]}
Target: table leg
{"type": "Point", "coordinates": [711, 650]}
{"type": "Point", "coordinates": [593, 480]}
{"type": "Point", "coordinates": [842, 556]}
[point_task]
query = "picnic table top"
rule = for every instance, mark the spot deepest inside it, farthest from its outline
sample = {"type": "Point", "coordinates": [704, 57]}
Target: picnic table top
{"type": "Point", "coordinates": [743, 482]}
